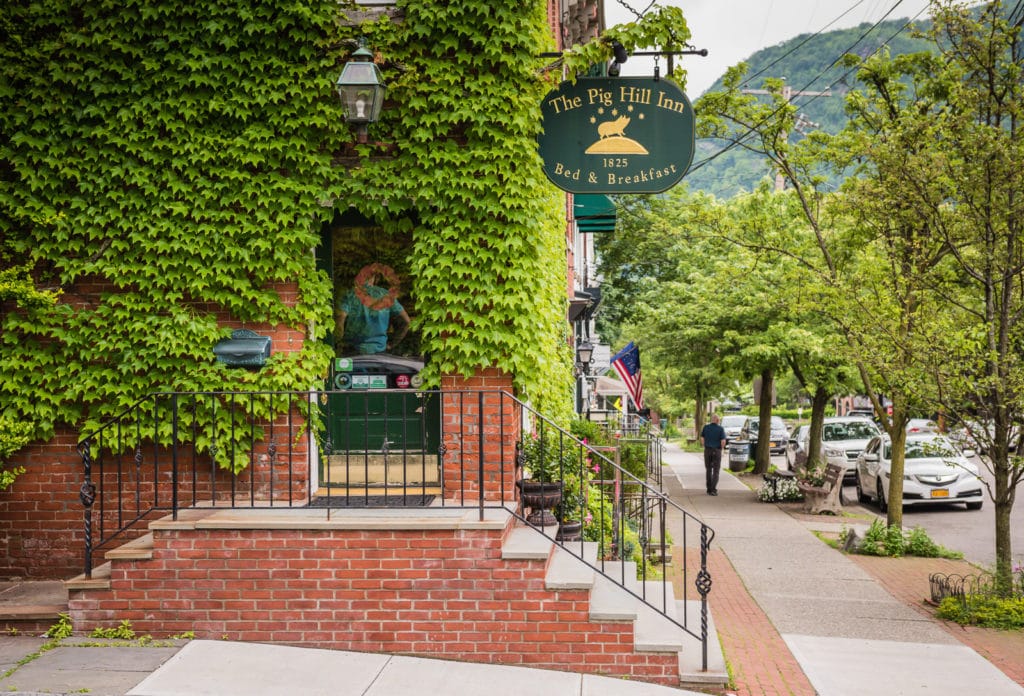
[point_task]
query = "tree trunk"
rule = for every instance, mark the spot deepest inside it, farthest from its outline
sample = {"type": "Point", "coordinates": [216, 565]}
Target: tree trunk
{"type": "Point", "coordinates": [763, 457]}
{"type": "Point", "coordinates": [699, 408]}
{"type": "Point", "coordinates": [898, 438]}
{"type": "Point", "coordinates": [1003, 502]}
{"type": "Point", "coordinates": [818, 403]}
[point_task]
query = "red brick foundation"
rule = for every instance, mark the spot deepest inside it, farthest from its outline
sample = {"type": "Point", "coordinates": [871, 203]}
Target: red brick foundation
{"type": "Point", "coordinates": [437, 593]}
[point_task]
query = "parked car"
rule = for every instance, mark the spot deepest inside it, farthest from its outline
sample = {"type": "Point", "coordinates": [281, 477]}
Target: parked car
{"type": "Point", "coordinates": [779, 434]}
{"type": "Point", "coordinates": [843, 439]}
{"type": "Point", "coordinates": [978, 436]}
{"type": "Point", "coordinates": [796, 449]}
{"type": "Point", "coordinates": [934, 471]}
{"type": "Point", "coordinates": [861, 412]}
{"type": "Point", "coordinates": [732, 426]}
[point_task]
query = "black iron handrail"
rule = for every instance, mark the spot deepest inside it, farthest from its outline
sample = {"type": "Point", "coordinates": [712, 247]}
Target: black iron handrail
{"type": "Point", "coordinates": [196, 450]}
{"type": "Point", "coordinates": [631, 500]}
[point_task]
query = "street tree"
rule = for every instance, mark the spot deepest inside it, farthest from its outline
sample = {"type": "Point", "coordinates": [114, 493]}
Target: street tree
{"type": "Point", "coordinates": [650, 267]}
{"type": "Point", "coordinates": [971, 195]}
{"type": "Point", "coordinates": [870, 253]}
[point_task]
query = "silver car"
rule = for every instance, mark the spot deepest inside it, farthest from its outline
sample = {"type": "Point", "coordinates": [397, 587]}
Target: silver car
{"type": "Point", "coordinates": [934, 471]}
{"type": "Point", "coordinates": [796, 451]}
{"type": "Point", "coordinates": [844, 438]}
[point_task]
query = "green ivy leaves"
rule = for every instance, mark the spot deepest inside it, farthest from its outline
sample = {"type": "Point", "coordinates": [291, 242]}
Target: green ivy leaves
{"type": "Point", "coordinates": [172, 157]}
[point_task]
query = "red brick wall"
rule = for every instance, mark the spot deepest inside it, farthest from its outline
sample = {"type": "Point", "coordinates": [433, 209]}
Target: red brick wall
{"type": "Point", "coordinates": [462, 426]}
{"type": "Point", "coordinates": [42, 519]}
{"type": "Point", "coordinates": [434, 593]}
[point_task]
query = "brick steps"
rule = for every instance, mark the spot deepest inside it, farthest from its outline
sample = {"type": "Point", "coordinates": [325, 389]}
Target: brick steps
{"type": "Point", "coordinates": [412, 581]}
{"type": "Point", "coordinates": [610, 602]}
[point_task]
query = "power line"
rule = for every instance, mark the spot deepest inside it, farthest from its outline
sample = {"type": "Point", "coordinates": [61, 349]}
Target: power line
{"type": "Point", "coordinates": [1016, 16]}
{"type": "Point", "coordinates": [742, 138]}
{"type": "Point", "coordinates": [801, 44]}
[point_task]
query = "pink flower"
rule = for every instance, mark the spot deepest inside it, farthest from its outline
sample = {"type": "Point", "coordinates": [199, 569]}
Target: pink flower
{"type": "Point", "coordinates": [589, 518]}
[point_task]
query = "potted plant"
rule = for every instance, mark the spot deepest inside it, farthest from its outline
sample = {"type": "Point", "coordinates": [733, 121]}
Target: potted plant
{"type": "Point", "coordinates": [545, 463]}
{"type": "Point", "coordinates": [572, 508]}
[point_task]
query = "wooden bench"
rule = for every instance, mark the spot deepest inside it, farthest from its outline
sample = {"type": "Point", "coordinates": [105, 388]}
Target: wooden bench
{"type": "Point", "coordinates": [828, 496]}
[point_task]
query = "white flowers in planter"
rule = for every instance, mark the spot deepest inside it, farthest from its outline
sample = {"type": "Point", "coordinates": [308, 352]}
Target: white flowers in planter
{"type": "Point", "coordinates": [781, 490]}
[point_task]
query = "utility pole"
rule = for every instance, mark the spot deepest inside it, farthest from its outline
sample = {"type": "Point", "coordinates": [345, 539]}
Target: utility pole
{"type": "Point", "coordinates": [788, 93]}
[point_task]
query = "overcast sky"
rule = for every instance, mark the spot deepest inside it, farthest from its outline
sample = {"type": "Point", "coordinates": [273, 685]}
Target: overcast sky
{"type": "Point", "coordinates": [731, 30]}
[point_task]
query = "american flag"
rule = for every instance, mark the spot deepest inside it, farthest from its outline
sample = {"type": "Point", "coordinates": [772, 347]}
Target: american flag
{"type": "Point", "coordinates": [627, 363]}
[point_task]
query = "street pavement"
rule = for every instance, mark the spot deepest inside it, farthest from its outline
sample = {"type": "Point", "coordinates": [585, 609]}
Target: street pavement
{"type": "Point", "coordinates": [794, 616]}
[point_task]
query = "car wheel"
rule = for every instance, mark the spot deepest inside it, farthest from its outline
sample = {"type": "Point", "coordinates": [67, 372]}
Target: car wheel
{"type": "Point", "coordinates": [861, 497]}
{"type": "Point", "coordinates": [882, 505]}
{"type": "Point", "coordinates": [975, 506]}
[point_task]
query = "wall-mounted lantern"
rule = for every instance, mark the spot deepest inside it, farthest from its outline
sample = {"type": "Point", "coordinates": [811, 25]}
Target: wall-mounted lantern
{"type": "Point", "coordinates": [361, 89]}
{"type": "Point", "coordinates": [584, 356]}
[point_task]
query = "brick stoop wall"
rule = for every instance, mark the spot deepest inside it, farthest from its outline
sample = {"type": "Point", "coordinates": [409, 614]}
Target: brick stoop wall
{"type": "Point", "coordinates": [431, 586]}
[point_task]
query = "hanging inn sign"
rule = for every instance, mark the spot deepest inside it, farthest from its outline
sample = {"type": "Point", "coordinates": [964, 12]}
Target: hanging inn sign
{"type": "Point", "coordinates": [616, 135]}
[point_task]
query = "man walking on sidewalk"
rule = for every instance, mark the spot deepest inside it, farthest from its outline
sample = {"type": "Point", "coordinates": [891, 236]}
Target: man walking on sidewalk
{"type": "Point", "coordinates": [712, 438]}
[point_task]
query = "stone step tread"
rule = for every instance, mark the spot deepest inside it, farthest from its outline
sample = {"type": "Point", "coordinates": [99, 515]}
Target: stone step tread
{"type": "Point", "coordinates": [652, 632]}
{"type": "Point", "coordinates": [32, 612]}
{"type": "Point", "coordinates": [608, 602]}
{"type": "Point", "coordinates": [659, 595]}
{"type": "Point", "coordinates": [567, 572]}
{"type": "Point", "coordinates": [100, 579]}
{"type": "Point", "coordinates": [137, 549]}
{"type": "Point", "coordinates": [528, 544]}
{"type": "Point", "coordinates": [691, 669]}
{"type": "Point", "coordinates": [622, 572]}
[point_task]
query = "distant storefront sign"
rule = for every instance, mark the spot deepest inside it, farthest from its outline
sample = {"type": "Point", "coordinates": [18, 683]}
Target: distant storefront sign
{"type": "Point", "coordinates": [617, 135]}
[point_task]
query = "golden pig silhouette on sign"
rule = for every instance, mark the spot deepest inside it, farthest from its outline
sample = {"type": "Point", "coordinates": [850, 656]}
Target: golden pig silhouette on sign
{"type": "Point", "coordinates": [613, 140]}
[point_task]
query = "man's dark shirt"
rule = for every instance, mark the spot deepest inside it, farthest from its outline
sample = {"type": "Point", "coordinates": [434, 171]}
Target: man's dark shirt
{"type": "Point", "coordinates": [713, 435]}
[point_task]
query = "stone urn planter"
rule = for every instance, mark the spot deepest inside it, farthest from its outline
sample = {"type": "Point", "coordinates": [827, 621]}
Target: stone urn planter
{"type": "Point", "coordinates": [570, 531]}
{"type": "Point", "coordinates": [541, 497]}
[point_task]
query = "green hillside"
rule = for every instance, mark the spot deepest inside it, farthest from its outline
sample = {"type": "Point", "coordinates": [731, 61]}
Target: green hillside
{"type": "Point", "coordinates": [806, 62]}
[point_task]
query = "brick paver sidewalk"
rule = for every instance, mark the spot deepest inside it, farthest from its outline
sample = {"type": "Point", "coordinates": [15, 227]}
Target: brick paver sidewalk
{"type": "Point", "coordinates": [907, 580]}
{"type": "Point", "coordinates": [760, 661]}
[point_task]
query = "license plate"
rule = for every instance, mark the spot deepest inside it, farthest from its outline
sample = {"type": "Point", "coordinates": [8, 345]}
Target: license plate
{"type": "Point", "coordinates": [940, 493]}
{"type": "Point", "coordinates": [774, 444]}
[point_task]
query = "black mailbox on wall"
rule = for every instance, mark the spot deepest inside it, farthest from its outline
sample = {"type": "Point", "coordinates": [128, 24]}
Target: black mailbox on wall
{"type": "Point", "coordinates": [245, 348]}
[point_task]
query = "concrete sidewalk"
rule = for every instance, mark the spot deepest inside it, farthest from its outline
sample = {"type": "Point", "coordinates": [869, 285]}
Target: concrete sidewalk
{"type": "Point", "coordinates": [222, 668]}
{"type": "Point", "coordinates": [848, 634]}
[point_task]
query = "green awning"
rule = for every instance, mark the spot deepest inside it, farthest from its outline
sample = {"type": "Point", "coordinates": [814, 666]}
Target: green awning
{"type": "Point", "coordinates": [594, 212]}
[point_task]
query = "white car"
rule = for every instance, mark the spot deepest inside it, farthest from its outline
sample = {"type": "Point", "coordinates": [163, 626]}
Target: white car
{"type": "Point", "coordinates": [732, 426]}
{"type": "Point", "coordinates": [843, 439]}
{"type": "Point", "coordinates": [934, 471]}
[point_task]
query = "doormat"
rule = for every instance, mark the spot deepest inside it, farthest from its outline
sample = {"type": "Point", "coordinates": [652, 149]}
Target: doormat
{"type": "Point", "coordinates": [364, 501]}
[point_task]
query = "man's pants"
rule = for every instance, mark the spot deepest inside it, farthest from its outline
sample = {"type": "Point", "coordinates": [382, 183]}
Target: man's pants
{"type": "Point", "coordinates": [712, 465]}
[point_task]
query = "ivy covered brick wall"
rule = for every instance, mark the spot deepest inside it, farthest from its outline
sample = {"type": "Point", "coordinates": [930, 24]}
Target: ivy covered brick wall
{"type": "Point", "coordinates": [165, 166]}
{"type": "Point", "coordinates": [162, 164]}
{"type": "Point", "coordinates": [488, 261]}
